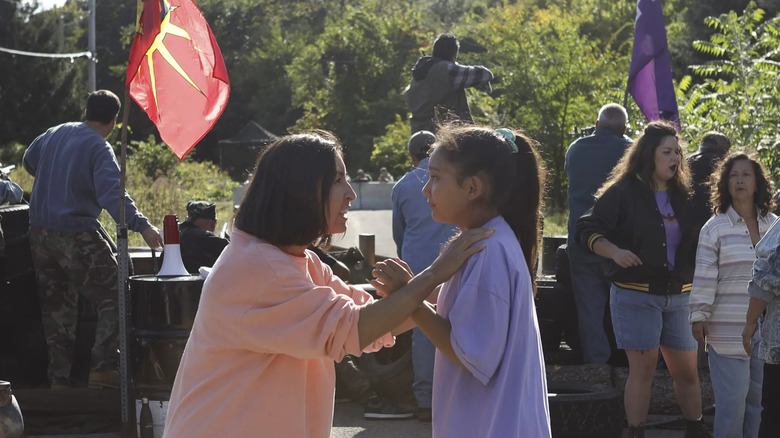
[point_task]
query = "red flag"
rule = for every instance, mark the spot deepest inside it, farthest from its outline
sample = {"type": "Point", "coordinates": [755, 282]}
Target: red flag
{"type": "Point", "coordinates": [176, 72]}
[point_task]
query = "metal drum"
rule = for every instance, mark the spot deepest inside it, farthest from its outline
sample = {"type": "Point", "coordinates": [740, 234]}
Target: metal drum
{"type": "Point", "coordinates": [163, 310]}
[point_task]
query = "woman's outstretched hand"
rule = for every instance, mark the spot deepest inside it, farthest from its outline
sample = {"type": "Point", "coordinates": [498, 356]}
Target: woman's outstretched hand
{"type": "Point", "coordinates": [457, 251]}
{"type": "Point", "coordinates": [390, 275]}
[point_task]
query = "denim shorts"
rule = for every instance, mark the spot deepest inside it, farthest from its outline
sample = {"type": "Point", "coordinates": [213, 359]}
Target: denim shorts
{"type": "Point", "coordinates": [643, 321]}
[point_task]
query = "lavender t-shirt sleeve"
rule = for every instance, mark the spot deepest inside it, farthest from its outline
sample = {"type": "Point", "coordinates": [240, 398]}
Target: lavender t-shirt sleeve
{"type": "Point", "coordinates": [480, 316]}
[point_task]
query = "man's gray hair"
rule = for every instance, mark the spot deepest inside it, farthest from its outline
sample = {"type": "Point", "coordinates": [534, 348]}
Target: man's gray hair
{"type": "Point", "coordinates": [613, 116]}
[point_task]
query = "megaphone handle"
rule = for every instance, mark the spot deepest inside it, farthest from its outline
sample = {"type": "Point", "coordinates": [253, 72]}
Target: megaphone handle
{"type": "Point", "coordinates": [155, 265]}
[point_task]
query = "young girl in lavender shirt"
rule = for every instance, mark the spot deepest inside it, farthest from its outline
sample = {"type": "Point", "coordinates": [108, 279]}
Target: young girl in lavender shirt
{"type": "Point", "coordinates": [489, 376]}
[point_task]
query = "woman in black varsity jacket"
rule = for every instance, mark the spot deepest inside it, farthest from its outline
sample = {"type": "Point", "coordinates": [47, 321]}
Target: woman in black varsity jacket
{"type": "Point", "coordinates": [641, 222]}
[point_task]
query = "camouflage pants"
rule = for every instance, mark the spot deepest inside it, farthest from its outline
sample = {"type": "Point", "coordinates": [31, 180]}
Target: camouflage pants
{"type": "Point", "coordinates": [69, 266]}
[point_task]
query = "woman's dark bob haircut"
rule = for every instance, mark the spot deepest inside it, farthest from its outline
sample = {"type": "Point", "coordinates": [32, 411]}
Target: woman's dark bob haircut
{"type": "Point", "coordinates": [286, 201]}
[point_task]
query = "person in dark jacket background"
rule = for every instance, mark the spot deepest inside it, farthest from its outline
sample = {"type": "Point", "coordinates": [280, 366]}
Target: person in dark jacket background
{"type": "Point", "coordinates": [437, 92]}
{"type": "Point", "coordinates": [199, 245]}
{"type": "Point", "coordinates": [713, 147]}
{"type": "Point", "coordinates": [641, 222]}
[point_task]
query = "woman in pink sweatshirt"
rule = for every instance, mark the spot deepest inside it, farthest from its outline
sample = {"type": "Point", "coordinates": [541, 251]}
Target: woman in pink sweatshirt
{"type": "Point", "coordinates": [272, 318]}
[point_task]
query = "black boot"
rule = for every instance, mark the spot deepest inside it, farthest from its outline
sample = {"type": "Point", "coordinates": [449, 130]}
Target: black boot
{"type": "Point", "coordinates": [636, 431]}
{"type": "Point", "coordinates": [696, 429]}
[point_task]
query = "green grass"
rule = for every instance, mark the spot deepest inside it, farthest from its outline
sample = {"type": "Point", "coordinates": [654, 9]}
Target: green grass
{"type": "Point", "coordinates": [555, 224]}
{"type": "Point", "coordinates": [165, 193]}
{"type": "Point", "coordinates": [224, 215]}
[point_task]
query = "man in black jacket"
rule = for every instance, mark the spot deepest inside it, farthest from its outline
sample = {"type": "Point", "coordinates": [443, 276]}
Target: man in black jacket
{"type": "Point", "coordinates": [199, 245]}
{"type": "Point", "coordinates": [437, 92]}
{"type": "Point", "coordinates": [713, 147]}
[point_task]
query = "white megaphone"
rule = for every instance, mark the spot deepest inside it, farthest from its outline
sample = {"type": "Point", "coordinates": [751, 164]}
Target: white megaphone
{"type": "Point", "coordinates": [172, 265]}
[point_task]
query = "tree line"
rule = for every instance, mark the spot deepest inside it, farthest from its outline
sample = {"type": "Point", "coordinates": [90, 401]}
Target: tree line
{"type": "Point", "coordinates": [342, 65]}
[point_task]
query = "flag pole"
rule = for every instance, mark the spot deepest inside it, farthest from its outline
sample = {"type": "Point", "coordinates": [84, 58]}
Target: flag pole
{"type": "Point", "coordinates": [625, 98]}
{"type": "Point", "coordinates": [123, 262]}
{"type": "Point", "coordinates": [626, 94]}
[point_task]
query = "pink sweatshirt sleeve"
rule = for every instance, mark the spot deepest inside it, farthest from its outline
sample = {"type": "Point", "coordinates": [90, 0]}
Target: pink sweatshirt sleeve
{"type": "Point", "coordinates": [360, 297]}
{"type": "Point", "coordinates": [273, 304]}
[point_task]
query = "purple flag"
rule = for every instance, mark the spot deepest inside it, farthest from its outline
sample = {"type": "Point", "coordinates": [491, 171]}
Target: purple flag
{"type": "Point", "coordinates": [650, 76]}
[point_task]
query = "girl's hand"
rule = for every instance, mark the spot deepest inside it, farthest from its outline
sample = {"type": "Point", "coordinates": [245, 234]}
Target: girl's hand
{"type": "Point", "coordinates": [747, 336]}
{"type": "Point", "coordinates": [625, 258]}
{"type": "Point", "coordinates": [390, 275]}
{"type": "Point", "coordinates": [457, 252]}
{"type": "Point", "coordinates": [700, 331]}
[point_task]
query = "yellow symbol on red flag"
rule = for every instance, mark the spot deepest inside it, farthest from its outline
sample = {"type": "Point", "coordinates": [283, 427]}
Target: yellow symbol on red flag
{"type": "Point", "coordinates": [176, 72]}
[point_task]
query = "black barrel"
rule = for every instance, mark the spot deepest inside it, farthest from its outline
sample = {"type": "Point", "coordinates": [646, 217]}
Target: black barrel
{"type": "Point", "coordinates": [163, 311]}
{"type": "Point", "coordinates": [23, 353]}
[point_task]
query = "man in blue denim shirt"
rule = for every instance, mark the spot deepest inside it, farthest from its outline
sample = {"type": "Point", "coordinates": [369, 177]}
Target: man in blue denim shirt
{"type": "Point", "coordinates": [418, 239]}
{"type": "Point", "coordinates": [589, 160]}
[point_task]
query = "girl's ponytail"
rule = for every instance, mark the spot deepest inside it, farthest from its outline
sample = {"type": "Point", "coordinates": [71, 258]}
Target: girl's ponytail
{"type": "Point", "coordinates": [522, 209]}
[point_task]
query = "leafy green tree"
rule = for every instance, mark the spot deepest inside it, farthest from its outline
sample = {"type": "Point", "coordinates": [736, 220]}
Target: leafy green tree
{"type": "Point", "coordinates": [739, 92]}
{"type": "Point", "coordinates": [449, 12]}
{"type": "Point", "coordinates": [342, 65]}
{"type": "Point", "coordinates": [691, 26]}
{"type": "Point", "coordinates": [552, 77]}
{"type": "Point", "coordinates": [39, 92]}
{"type": "Point", "coordinates": [390, 149]}
{"type": "Point", "coordinates": [259, 39]}
{"type": "Point", "coordinates": [152, 158]}
{"type": "Point", "coordinates": [161, 185]}
{"type": "Point", "coordinates": [350, 80]}
{"type": "Point", "coordinates": [12, 153]}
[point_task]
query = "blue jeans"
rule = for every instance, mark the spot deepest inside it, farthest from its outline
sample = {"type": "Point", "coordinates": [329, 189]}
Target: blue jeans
{"type": "Point", "coordinates": [737, 387]}
{"type": "Point", "coordinates": [590, 287]}
{"type": "Point", "coordinates": [423, 355]}
{"type": "Point", "coordinates": [643, 321]}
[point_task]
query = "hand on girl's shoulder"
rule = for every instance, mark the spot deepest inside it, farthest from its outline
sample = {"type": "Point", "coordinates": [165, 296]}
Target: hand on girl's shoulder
{"type": "Point", "coordinates": [471, 240]}
{"type": "Point", "coordinates": [458, 250]}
